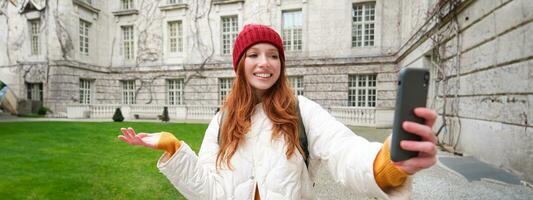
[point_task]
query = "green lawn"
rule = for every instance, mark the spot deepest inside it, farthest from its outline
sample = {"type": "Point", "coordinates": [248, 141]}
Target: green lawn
{"type": "Point", "coordinates": [84, 160]}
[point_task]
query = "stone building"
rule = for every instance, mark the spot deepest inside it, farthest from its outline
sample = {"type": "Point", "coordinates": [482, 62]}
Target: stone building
{"type": "Point", "coordinates": [343, 54]}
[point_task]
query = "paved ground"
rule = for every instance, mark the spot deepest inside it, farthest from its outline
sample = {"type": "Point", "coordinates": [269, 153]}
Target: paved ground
{"type": "Point", "coordinates": [438, 182]}
{"type": "Point", "coordinates": [434, 183]}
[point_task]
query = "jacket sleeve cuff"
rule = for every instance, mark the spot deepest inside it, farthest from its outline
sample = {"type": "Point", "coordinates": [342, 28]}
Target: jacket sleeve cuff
{"type": "Point", "coordinates": [168, 143]}
{"type": "Point", "coordinates": [386, 174]}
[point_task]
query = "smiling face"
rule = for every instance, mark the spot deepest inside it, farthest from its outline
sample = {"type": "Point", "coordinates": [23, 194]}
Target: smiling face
{"type": "Point", "coordinates": [262, 67]}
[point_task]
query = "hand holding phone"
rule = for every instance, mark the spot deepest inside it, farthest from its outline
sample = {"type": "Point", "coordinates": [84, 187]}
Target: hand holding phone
{"type": "Point", "coordinates": [412, 93]}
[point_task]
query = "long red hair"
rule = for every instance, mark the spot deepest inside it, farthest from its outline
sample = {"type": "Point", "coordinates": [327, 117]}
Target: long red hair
{"type": "Point", "coordinates": [278, 103]}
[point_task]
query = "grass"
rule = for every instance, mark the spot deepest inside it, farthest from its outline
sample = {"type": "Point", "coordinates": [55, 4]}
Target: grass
{"type": "Point", "coordinates": [84, 160]}
{"type": "Point", "coordinates": [372, 134]}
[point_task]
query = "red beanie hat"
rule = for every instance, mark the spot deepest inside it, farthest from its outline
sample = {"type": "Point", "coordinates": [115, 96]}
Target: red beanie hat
{"type": "Point", "coordinates": [252, 34]}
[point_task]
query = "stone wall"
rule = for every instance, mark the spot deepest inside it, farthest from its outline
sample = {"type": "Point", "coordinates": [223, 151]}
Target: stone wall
{"type": "Point", "coordinates": [325, 83]}
{"type": "Point", "coordinates": [489, 89]}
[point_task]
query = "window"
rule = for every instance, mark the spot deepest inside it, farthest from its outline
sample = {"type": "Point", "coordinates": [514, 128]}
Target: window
{"type": "Point", "coordinates": [127, 39]}
{"type": "Point", "coordinates": [363, 15]}
{"type": "Point", "coordinates": [85, 91]}
{"type": "Point", "coordinates": [292, 30]}
{"type": "Point", "coordinates": [128, 92]}
{"type": "Point", "coordinates": [126, 4]}
{"type": "Point", "coordinates": [175, 92]}
{"type": "Point", "coordinates": [362, 90]}
{"type": "Point", "coordinates": [34, 31]}
{"type": "Point", "coordinates": [175, 36]}
{"type": "Point", "coordinates": [84, 37]}
{"type": "Point", "coordinates": [297, 83]}
{"type": "Point", "coordinates": [229, 33]}
{"type": "Point", "coordinates": [175, 1]}
{"type": "Point", "coordinates": [34, 91]}
{"type": "Point", "coordinates": [224, 87]}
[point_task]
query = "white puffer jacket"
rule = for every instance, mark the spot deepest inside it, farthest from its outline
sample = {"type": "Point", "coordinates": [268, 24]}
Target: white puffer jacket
{"type": "Point", "coordinates": [262, 161]}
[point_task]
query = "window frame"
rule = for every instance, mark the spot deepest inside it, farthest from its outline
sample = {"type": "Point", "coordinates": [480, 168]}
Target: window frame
{"type": "Point", "coordinates": [231, 34]}
{"type": "Point", "coordinates": [128, 42]}
{"type": "Point", "coordinates": [294, 33]}
{"type": "Point", "coordinates": [34, 91]}
{"type": "Point", "coordinates": [86, 91]}
{"type": "Point", "coordinates": [365, 33]}
{"type": "Point", "coordinates": [175, 94]}
{"type": "Point", "coordinates": [174, 1]}
{"type": "Point", "coordinates": [369, 87]}
{"type": "Point", "coordinates": [127, 4]}
{"type": "Point", "coordinates": [297, 84]}
{"type": "Point", "coordinates": [35, 44]}
{"type": "Point", "coordinates": [84, 37]}
{"type": "Point", "coordinates": [178, 37]}
{"type": "Point", "coordinates": [227, 82]}
{"type": "Point", "coordinates": [128, 91]}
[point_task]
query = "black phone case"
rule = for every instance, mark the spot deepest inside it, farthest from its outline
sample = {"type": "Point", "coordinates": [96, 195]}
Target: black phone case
{"type": "Point", "coordinates": [412, 93]}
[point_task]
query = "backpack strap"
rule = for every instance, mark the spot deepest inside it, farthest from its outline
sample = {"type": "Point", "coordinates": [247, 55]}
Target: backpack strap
{"type": "Point", "coordinates": [302, 134]}
{"type": "Point", "coordinates": [223, 115]}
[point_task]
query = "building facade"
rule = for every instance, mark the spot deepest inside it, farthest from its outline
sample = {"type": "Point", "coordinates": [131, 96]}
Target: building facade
{"type": "Point", "coordinates": [345, 55]}
{"type": "Point", "coordinates": [179, 52]}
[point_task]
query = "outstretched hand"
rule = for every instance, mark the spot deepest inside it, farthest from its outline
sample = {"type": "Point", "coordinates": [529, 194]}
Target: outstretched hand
{"type": "Point", "coordinates": [141, 139]}
{"type": "Point", "coordinates": [426, 147]}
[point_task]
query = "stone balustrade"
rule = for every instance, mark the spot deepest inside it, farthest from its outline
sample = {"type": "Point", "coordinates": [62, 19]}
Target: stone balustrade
{"type": "Point", "coordinates": [139, 111]}
{"type": "Point", "coordinates": [354, 116]}
{"type": "Point", "coordinates": [348, 115]}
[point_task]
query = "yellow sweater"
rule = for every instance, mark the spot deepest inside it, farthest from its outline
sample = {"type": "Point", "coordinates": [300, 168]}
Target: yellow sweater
{"type": "Point", "coordinates": [386, 174]}
{"type": "Point", "coordinates": [168, 143]}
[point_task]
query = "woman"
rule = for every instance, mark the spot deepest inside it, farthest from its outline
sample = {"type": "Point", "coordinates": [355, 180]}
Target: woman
{"type": "Point", "coordinates": [258, 155]}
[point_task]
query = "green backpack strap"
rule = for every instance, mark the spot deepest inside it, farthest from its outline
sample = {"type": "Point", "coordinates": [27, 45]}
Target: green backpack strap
{"type": "Point", "coordinates": [303, 136]}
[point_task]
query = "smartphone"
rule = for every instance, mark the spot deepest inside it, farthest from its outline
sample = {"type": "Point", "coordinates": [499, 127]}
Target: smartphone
{"type": "Point", "coordinates": [411, 93]}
